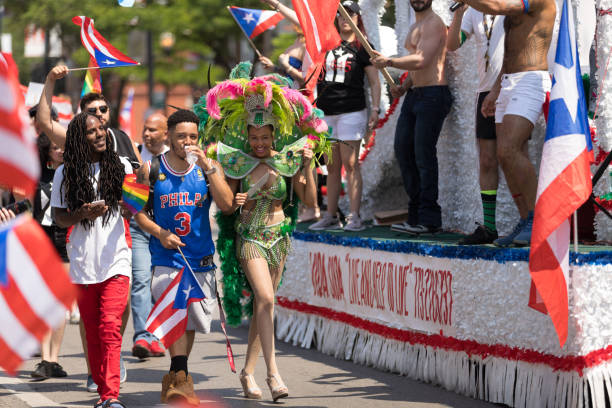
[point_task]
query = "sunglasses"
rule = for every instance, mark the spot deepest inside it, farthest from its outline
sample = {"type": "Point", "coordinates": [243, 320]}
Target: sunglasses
{"type": "Point", "coordinates": [350, 13]}
{"type": "Point", "coordinates": [103, 109]}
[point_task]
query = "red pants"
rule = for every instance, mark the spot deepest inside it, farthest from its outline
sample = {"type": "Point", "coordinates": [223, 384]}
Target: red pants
{"type": "Point", "coordinates": [101, 306]}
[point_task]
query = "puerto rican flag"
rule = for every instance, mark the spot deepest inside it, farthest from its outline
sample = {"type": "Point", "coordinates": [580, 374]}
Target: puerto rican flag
{"type": "Point", "coordinates": [564, 183]}
{"type": "Point", "coordinates": [104, 53]}
{"type": "Point", "coordinates": [35, 290]}
{"type": "Point", "coordinates": [19, 162]}
{"type": "Point", "coordinates": [254, 22]}
{"type": "Point", "coordinates": [125, 116]}
{"type": "Point", "coordinates": [168, 319]}
{"type": "Point", "coordinates": [317, 21]}
{"type": "Point", "coordinates": [64, 110]}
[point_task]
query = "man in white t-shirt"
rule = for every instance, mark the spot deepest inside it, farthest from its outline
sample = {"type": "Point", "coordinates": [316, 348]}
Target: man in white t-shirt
{"type": "Point", "coordinates": [86, 195]}
{"type": "Point", "coordinates": [154, 137]}
{"type": "Point", "coordinates": [488, 32]}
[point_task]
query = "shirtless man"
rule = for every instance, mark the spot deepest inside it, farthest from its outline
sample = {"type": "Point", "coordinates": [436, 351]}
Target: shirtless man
{"type": "Point", "coordinates": [517, 97]}
{"type": "Point", "coordinates": [425, 106]}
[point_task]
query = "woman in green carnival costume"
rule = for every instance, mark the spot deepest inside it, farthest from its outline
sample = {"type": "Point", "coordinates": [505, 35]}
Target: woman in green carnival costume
{"type": "Point", "coordinates": [266, 136]}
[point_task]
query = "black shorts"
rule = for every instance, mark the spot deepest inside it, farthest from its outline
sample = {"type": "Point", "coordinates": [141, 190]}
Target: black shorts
{"type": "Point", "coordinates": [485, 127]}
{"type": "Point", "coordinates": [57, 236]}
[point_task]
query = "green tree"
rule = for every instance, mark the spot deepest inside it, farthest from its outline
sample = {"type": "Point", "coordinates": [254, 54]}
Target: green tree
{"type": "Point", "coordinates": [204, 31]}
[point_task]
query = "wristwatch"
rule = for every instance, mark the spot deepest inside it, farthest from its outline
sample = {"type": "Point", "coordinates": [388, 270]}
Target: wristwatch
{"type": "Point", "coordinates": [211, 171]}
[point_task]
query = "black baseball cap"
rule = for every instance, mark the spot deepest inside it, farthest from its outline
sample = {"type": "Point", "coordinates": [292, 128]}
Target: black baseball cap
{"type": "Point", "coordinates": [351, 6]}
{"type": "Point", "coordinates": [32, 112]}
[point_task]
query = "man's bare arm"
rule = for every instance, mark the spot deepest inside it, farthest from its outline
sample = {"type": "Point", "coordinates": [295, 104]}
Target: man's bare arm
{"type": "Point", "coordinates": [55, 131]}
{"type": "Point", "coordinates": [500, 7]}
{"type": "Point", "coordinates": [432, 38]}
{"type": "Point", "coordinates": [284, 10]}
{"type": "Point", "coordinates": [454, 39]}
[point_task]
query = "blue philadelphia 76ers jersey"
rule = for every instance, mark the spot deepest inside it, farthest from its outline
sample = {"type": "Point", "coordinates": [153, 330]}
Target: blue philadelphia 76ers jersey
{"type": "Point", "coordinates": [181, 205]}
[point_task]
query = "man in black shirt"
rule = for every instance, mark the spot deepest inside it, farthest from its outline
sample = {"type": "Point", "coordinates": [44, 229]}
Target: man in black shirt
{"type": "Point", "coordinates": [94, 103]}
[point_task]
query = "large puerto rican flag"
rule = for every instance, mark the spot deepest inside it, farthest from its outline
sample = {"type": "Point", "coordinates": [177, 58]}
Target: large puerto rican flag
{"type": "Point", "coordinates": [35, 290]}
{"type": "Point", "coordinates": [317, 21]}
{"type": "Point", "coordinates": [19, 162]}
{"type": "Point", "coordinates": [254, 22]}
{"type": "Point", "coordinates": [168, 319]}
{"type": "Point", "coordinates": [103, 52]}
{"type": "Point", "coordinates": [564, 183]}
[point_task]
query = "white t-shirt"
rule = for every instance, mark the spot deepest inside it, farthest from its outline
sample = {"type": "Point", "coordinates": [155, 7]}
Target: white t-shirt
{"type": "Point", "coordinates": [100, 252]}
{"type": "Point", "coordinates": [473, 23]}
{"type": "Point", "coordinates": [146, 155]}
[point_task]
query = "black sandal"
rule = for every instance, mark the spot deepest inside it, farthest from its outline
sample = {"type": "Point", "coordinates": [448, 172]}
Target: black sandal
{"type": "Point", "coordinates": [113, 404]}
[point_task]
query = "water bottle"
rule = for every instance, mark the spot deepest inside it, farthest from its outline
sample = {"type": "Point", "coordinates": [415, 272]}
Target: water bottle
{"type": "Point", "coordinates": [190, 156]}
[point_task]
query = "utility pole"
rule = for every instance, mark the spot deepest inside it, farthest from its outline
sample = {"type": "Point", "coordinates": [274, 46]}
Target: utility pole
{"type": "Point", "coordinates": [150, 64]}
{"type": "Point", "coordinates": [1, 16]}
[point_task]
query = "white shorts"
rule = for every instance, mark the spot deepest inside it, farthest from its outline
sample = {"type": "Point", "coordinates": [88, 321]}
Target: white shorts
{"type": "Point", "coordinates": [522, 94]}
{"type": "Point", "coordinates": [199, 314]}
{"type": "Point", "coordinates": [348, 126]}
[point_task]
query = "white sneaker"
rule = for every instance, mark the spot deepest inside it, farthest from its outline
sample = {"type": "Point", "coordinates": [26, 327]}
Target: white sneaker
{"type": "Point", "coordinates": [327, 222]}
{"type": "Point", "coordinates": [354, 223]}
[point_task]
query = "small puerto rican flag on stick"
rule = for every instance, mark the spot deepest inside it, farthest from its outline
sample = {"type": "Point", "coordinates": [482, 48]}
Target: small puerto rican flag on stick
{"type": "Point", "coordinates": [101, 50]}
{"type": "Point", "coordinates": [254, 22]}
{"type": "Point", "coordinates": [168, 319]}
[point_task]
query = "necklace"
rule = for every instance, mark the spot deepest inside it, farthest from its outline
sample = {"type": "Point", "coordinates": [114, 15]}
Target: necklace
{"type": "Point", "coordinates": [488, 32]}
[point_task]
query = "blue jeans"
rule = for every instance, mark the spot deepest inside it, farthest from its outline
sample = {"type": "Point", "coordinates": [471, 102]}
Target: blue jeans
{"type": "Point", "coordinates": [142, 301]}
{"type": "Point", "coordinates": [416, 136]}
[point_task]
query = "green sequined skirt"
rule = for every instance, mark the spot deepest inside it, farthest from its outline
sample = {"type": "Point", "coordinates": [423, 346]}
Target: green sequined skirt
{"type": "Point", "coordinates": [269, 242]}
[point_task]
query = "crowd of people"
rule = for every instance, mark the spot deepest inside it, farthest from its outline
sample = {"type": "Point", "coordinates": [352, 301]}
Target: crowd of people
{"type": "Point", "coordinates": [117, 260]}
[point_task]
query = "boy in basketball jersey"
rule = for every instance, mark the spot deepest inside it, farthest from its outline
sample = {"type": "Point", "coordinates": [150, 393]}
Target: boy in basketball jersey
{"type": "Point", "coordinates": [181, 199]}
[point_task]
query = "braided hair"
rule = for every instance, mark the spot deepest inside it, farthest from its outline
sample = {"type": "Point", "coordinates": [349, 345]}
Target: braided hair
{"type": "Point", "coordinates": [79, 172]}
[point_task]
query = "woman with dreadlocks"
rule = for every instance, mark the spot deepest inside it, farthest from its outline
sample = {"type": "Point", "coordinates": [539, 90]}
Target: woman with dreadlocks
{"type": "Point", "coordinates": [87, 197]}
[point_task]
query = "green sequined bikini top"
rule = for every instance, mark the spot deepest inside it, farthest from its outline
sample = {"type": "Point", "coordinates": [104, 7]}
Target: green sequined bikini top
{"type": "Point", "coordinates": [277, 191]}
{"type": "Point", "coordinates": [237, 164]}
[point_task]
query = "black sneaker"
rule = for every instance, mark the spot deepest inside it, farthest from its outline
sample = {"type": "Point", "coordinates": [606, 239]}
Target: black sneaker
{"type": "Point", "coordinates": [422, 229]}
{"type": "Point", "coordinates": [42, 371]}
{"type": "Point", "coordinates": [482, 235]}
{"type": "Point", "coordinates": [57, 371]}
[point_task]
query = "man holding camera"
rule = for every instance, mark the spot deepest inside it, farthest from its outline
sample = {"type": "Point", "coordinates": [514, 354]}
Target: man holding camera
{"type": "Point", "coordinates": [488, 32]}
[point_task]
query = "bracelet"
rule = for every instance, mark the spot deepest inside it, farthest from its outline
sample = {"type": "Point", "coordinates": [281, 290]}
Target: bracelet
{"type": "Point", "coordinates": [390, 63]}
{"type": "Point", "coordinates": [277, 4]}
{"type": "Point", "coordinates": [211, 171]}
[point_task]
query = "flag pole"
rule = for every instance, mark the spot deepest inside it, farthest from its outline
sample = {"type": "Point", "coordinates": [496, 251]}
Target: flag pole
{"type": "Point", "coordinates": [575, 231]}
{"type": "Point", "coordinates": [259, 55]}
{"type": "Point", "coordinates": [87, 68]}
{"type": "Point", "coordinates": [364, 42]}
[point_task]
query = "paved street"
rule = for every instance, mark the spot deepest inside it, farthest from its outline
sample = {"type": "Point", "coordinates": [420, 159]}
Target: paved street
{"type": "Point", "coordinates": [314, 380]}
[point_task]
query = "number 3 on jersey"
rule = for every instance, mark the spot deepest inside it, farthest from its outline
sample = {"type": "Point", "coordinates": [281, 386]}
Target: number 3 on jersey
{"type": "Point", "coordinates": [185, 220]}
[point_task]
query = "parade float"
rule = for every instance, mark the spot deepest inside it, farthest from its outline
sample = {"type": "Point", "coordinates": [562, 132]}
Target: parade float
{"type": "Point", "coordinates": [451, 315]}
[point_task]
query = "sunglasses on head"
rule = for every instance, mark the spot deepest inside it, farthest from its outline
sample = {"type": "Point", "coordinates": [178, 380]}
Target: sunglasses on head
{"type": "Point", "coordinates": [103, 109]}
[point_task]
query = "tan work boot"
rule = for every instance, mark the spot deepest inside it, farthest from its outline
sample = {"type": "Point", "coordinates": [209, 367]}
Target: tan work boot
{"type": "Point", "coordinates": [167, 382]}
{"type": "Point", "coordinates": [182, 390]}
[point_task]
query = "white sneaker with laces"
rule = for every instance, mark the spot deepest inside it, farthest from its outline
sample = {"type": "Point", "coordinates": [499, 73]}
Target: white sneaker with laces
{"type": "Point", "coordinates": [354, 223]}
{"type": "Point", "coordinates": [327, 222]}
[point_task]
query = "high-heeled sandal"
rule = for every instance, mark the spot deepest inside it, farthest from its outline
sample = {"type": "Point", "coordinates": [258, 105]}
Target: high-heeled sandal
{"type": "Point", "coordinates": [278, 391]}
{"type": "Point", "coordinates": [252, 392]}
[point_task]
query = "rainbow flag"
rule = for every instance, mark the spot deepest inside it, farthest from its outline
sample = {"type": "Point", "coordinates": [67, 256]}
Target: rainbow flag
{"type": "Point", "coordinates": [93, 81]}
{"type": "Point", "coordinates": [135, 195]}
